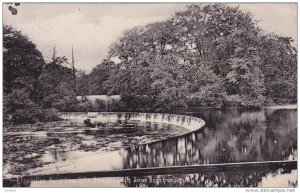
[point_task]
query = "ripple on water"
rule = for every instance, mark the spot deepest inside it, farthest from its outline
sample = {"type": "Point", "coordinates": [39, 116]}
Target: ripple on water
{"type": "Point", "coordinates": [60, 144]}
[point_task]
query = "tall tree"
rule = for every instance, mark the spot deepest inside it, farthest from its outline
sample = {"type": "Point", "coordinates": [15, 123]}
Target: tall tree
{"type": "Point", "coordinates": [279, 58]}
{"type": "Point", "coordinates": [56, 84]}
{"type": "Point", "coordinates": [22, 66]}
{"type": "Point", "coordinates": [73, 70]}
{"type": "Point", "coordinates": [22, 62]}
{"type": "Point", "coordinates": [206, 55]}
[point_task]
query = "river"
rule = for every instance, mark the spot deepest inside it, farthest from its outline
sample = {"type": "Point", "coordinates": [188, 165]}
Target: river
{"type": "Point", "coordinates": [229, 136]}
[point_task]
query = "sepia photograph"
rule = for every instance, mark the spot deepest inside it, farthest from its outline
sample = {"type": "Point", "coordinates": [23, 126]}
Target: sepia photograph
{"type": "Point", "coordinates": [148, 94]}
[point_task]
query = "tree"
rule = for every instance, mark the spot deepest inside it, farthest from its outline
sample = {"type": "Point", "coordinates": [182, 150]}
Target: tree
{"type": "Point", "coordinates": [83, 85]}
{"type": "Point", "coordinates": [56, 84]}
{"type": "Point", "coordinates": [98, 76]}
{"type": "Point", "coordinates": [279, 60]}
{"type": "Point", "coordinates": [245, 82]}
{"type": "Point", "coordinates": [22, 62]}
{"type": "Point", "coordinates": [22, 66]}
{"type": "Point", "coordinates": [73, 71]}
{"type": "Point", "coordinates": [206, 55]}
{"type": "Point", "coordinates": [19, 108]}
{"type": "Point", "coordinates": [203, 26]}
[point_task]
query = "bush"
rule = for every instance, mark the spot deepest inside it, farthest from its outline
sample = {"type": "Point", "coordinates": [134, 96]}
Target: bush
{"type": "Point", "coordinates": [83, 107]}
{"type": "Point", "coordinates": [99, 105]}
{"type": "Point", "coordinates": [112, 104]}
{"type": "Point", "coordinates": [66, 103]}
{"type": "Point", "coordinates": [18, 108]}
{"type": "Point", "coordinates": [51, 115]}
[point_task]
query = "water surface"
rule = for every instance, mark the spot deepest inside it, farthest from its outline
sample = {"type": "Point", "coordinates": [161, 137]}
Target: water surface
{"type": "Point", "coordinates": [229, 136]}
{"type": "Point", "coordinates": [232, 135]}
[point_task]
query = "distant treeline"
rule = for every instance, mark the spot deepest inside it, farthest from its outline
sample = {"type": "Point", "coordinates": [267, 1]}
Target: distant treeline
{"type": "Point", "coordinates": [211, 55]}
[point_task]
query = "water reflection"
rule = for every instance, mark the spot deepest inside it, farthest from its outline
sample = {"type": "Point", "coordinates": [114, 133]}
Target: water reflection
{"type": "Point", "coordinates": [230, 135]}
{"type": "Point", "coordinates": [23, 152]}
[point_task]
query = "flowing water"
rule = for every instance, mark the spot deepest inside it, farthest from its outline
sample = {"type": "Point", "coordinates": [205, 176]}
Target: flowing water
{"type": "Point", "coordinates": [229, 136]}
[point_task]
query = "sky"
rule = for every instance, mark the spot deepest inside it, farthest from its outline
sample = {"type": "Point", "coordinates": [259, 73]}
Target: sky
{"type": "Point", "coordinates": [92, 28]}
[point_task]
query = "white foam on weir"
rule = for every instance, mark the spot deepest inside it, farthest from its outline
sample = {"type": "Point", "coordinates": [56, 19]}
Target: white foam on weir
{"type": "Point", "coordinates": [188, 122]}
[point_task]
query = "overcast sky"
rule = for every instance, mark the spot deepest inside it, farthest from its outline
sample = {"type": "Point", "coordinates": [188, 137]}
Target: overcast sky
{"type": "Point", "coordinates": [91, 28]}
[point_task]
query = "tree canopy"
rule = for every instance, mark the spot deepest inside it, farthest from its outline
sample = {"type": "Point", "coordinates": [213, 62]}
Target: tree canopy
{"type": "Point", "coordinates": [32, 86]}
{"type": "Point", "coordinates": [208, 55]}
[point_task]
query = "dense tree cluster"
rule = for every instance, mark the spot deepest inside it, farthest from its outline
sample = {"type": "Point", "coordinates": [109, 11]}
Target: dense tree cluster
{"type": "Point", "coordinates": [210, 55]}
{"type": "Point", "coordinates": [33, 89]}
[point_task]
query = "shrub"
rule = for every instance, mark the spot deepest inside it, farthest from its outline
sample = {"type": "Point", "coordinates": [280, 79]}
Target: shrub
{"type": "Point", "coordinates": [51, 115]}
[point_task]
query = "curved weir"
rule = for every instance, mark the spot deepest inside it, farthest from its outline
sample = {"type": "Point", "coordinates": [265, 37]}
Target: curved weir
{"type": "Point", "coordinates": [188, 122]}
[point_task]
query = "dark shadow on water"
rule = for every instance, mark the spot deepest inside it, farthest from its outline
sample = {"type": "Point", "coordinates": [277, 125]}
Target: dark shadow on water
{"type": "Point", "coordinates": [231, 135]}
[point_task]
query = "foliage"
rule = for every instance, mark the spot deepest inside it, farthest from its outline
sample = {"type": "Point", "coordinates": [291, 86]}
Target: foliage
{"type": "Point", "coordinates": [32, 88]}
{"type": "Point", "coordinates": [19, 108]}
{"type": "Point", "coordinates": [56, 85]}
{"type": "Point", "coordinates": [22, 62]}
{"type": "Point", "coordinates": [280, 68]}
{"type": "Point", "coordinates": [208, 55]}
{"type": "Point", "coordinates": [51, 114]}
{"type": "Point", "coordinates": [22, 66]}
